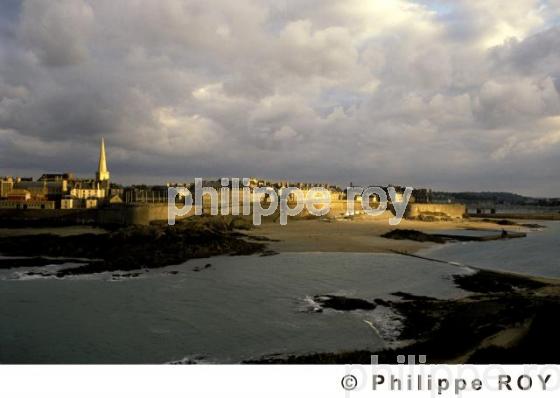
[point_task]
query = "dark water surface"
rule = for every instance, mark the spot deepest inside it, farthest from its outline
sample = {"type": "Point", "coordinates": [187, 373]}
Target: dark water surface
{"type": "Point", "coordinates": [537, 254]}
{"type": "Point", "coordinates": [239, 308]}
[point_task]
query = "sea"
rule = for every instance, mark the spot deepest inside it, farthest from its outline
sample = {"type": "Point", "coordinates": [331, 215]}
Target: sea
{"type": "Point", "coordinates": [231, 309]}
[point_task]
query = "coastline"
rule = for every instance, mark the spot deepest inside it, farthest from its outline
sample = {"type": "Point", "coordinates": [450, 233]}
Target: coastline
{"type": "Point", "coordinates": [361, 235]}
{"type": "Point", "coordinates": [505, 319]}
{"type": "Point", "coordinates": [503, 315]}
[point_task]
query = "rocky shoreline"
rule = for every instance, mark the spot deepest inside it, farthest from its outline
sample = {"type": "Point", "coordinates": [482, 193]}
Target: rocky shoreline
{"type": "Point", "coordinates": [506, 319]}
{"type": "Point", "coordinates": [131, 248]}
{"type": "Point", "coordinates": [418, 236]}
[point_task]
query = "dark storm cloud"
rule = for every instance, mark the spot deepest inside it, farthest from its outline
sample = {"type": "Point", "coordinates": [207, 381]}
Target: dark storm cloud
{"type": "Point", "coordinates": [455, 95]}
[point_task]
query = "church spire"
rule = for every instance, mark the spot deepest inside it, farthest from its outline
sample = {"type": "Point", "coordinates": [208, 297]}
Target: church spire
{"type": "Point", "coordinates": [102, 172]}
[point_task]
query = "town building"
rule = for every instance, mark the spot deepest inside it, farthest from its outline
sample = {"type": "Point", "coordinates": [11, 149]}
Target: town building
{"type": "Point", "coordinates": [60, 190]}
{"type": "Point", "coordinates": [6, 185]}
{"type": "Point", "coordinates": [102, 176]}
{"type": "Point", "coordinates": [87, 194]}
{"type": "Point", "coordinates": [23, 199]}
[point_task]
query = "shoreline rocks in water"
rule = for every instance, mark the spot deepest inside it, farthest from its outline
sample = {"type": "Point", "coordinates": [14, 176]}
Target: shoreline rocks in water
{"type": "Point", "coordinates": [484, 281]}
{"type": "Point", "coordinates": [508, 319]}
{"type": "Point", "coordinates": [8, 263]}
{"type": "Point", "coordinates": [533, 226]}
{"type": "Point", "coordinates": [341, 303]}
{"type": "Point", "coordinates": [510, 222]}
{"type": "Point", "coordinates": [198, 269]}
{"type": "Point", "coordinates": [137, 247]}
{"type": "Point", "coordinates": [411, 234]}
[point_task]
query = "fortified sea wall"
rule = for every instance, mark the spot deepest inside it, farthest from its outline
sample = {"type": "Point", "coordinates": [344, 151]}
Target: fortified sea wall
{"type": "Point", "coordinates": [143, 214]}
{"type": "Point", "coordinates": [453, 210]}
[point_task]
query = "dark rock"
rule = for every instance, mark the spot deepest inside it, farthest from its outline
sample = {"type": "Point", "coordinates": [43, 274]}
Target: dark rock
{"type": "Point", "coordinates": [409, 296]}
{"type": "Point", "coordinates": [491, 282]}
{"type": "Point", "coordinates": [131, 248]}
{"type": "Point", "coordinates": [411, 234]}
{"type": "Point", "coordinates": [382, 302]}
{"type": "Point", "coordinates": [7, 263]}
{"type": "Point", "coordinates": [458, 330]}
{"type": "Point", "coordinates": [341, 303]}
{"type": "Point", "coordinates": [533, 226]}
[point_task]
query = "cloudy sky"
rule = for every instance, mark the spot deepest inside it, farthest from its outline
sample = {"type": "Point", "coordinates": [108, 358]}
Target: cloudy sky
{"type": "Point", "coordinates": [455, 95]}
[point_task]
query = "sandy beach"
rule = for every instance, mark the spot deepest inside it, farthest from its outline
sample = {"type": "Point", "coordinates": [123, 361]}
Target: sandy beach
{"type": "Point", "coordinates": [362, 235]}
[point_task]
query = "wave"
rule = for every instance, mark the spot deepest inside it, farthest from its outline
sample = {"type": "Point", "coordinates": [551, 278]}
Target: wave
{"type": "Point", "coordinates": [310, 305]}
{"type": "Point", "coordinates": [388, 323]}
{"type": "Point", "coordinates": [192, 360]}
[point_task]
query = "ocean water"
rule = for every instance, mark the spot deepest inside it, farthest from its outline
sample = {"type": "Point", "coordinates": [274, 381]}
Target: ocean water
{"type": "Point", "coordinates": [240, 308]}
{"type": "Point", "coordinates": [537, 254]}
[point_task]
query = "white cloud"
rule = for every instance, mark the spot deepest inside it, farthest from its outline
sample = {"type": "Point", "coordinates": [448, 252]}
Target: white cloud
{"type": "Point", "coordinates": [355, 90]}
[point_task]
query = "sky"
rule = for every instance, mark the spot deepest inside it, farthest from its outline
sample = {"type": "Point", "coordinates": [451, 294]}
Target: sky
{"type": "Point", "coordinates": [458, 95]}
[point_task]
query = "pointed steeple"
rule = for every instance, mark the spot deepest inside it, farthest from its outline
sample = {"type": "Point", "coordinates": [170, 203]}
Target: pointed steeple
{"type": "Point", "coordinates": [102, 172]}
